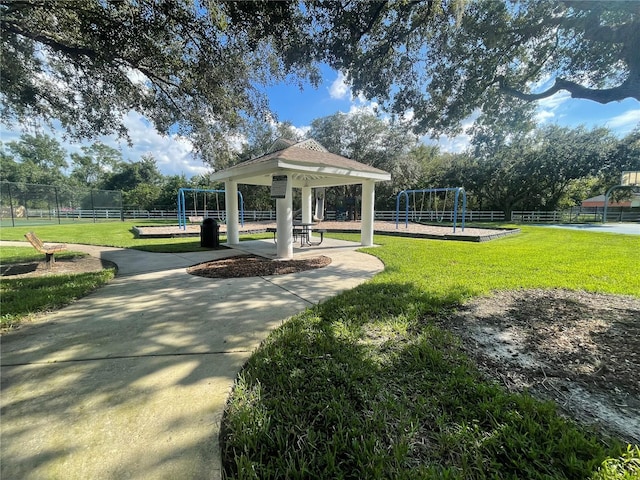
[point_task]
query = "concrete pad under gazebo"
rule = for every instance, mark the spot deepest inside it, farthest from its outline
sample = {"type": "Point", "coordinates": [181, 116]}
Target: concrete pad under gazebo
{"type": "Point", "coordinates": [305, 165]}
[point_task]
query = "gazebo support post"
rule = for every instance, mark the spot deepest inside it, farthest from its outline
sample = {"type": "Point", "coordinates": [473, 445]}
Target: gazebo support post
{"type": "Point", "coordinates": [231, 207]}
{"type": "Point", "coordinates": [367, 213]}
{"type": "Point", "coordinates": [306, 205]}
{"type": "Point", "coordinates": [307, 216]}
{"type": "Point", "coordinates": [284, 224]}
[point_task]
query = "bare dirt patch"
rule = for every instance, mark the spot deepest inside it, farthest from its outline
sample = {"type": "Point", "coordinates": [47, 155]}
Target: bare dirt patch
{"type": "Point", "coordinates": [254, 266]}
{"type": "Point", "coordinates": [581, 350]}
{"type": "Point", "coordinates": [63, 266]}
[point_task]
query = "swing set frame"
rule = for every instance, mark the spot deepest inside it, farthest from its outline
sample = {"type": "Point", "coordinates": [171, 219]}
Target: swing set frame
{"type": "Point", "coordinates": [457, 191]}
{"type": "Point", "coordinates": [182, 212]}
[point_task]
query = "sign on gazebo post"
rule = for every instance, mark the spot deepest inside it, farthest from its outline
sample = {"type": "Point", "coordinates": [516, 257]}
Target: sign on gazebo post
{"type": "Point", "coordinates": [279, 186]}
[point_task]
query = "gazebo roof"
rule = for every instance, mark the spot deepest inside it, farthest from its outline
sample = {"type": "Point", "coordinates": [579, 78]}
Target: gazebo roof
{"type": "Point", "coordinates": [307, 163]}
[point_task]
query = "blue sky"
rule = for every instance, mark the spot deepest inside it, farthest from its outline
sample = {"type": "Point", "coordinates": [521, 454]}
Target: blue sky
{"type": "Point", "coordinates": [173, 154]}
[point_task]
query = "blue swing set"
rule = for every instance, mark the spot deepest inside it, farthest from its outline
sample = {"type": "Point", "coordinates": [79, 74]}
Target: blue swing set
{"type": "Point", "coordinates": [433, 192]}
{"type": "Point", "coordinates": [182, 212]}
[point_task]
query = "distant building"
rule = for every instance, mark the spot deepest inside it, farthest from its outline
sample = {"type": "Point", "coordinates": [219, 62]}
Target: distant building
{"type": "Point", "coordinates": [599, 202]}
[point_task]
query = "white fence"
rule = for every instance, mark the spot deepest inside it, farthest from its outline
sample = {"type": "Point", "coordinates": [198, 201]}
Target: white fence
{"type": "Point", "coordinates": [576, 215]}
{"type": "Point", "coordinates": [270, 215]}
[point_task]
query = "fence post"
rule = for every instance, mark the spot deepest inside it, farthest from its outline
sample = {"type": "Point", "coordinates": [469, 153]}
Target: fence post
{"type": "Point", "coordinates": [13, 221]}
{"type": "Point", "coordinates": [93, 208]}
{"type": "Point", "coordinates": [55, 191]}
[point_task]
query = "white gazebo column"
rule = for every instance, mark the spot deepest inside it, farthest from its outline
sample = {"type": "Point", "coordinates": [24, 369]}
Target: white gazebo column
{"type": "Point", "coordinates": [231, 208]}
{"type": "Point", "coordinates": [307, 212]}
{"type": "Point", "coordinates": [366, 214]}
{"type": "Point", "coordinates": [306, 205]}
{"type": "Point", "coordinates": [284, 225]}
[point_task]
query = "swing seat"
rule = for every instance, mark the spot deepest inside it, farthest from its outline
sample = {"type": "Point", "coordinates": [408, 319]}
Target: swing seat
{"type": "Point", "coordinates": [196, 219]}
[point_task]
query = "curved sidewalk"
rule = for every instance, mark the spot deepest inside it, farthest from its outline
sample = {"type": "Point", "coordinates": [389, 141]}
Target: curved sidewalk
{"type": "Point", "coordinates": [131, 381]}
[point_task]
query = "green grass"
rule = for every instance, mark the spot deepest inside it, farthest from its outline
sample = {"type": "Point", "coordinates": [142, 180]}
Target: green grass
{"type": "Point", "coordinates": [535, 258]}
{"type": "Point", "coordinates": [26, 296]}
{"type": "Point", "coordinates": [112, 234]}
{"type": "Point", "coordinates": [624, 467]}
{"type": "Point", "coordinates": [367, 386]}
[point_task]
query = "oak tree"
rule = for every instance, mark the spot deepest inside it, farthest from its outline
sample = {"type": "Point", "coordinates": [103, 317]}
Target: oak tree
{"type": "Point", "coordinates": [445, 60]}
{"type": "Point", "coordinates": [190, 67]}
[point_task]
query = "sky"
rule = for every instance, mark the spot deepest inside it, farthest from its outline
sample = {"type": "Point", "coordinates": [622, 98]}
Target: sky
{"type": "Point", "coordinates": [173, 154]}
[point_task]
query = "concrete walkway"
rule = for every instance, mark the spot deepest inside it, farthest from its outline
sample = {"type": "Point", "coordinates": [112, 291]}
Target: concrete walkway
{"type": "Point", "coordinates": [131, 381]}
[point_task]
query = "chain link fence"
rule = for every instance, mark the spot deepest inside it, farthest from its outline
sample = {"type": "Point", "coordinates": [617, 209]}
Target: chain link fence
{"type": "Point", "coordinates": [33, 204]}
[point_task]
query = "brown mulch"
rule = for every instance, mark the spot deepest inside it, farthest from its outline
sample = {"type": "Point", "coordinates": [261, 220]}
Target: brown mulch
{"type": "Point", "coordinates": [254, 266]}
{"type": "Point", "coordinates": [579, 349]}
{"type": "Point", "coordinates": [63, 266]}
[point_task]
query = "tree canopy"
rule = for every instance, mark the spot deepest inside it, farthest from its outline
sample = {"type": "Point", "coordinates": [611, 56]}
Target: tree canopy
{"type": "Point", "coordinates": [198, 68]}
{"type": "Point", "coordinates": [190, 67]}
{"type": "Point", "coordinates": [554, 167]}
{"type": "Point", "coordinates": [444, 60]}
{"type": "Point", "coordinates": [367, 138]}
{"type": "Point", "coordinates": [41, 160]}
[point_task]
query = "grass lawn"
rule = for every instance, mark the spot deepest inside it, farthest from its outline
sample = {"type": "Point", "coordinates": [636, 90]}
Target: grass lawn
{"type": "Point", "coordinates": [112, 234]}
{"type": "Point", "coordinates": [25, 296]}
{"type": "Point", "coordinates": [366, 385]}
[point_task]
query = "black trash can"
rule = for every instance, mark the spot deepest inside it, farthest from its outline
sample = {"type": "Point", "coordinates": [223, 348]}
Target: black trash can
{"type": "Point", "coordinates": [209, 233]}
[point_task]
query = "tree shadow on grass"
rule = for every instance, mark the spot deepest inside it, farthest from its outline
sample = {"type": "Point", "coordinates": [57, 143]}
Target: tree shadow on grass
{"type": "Point", "coordinates": [321, 398]}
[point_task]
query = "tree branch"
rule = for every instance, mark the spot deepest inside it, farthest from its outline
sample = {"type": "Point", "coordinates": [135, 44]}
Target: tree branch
{"type": "Point", "coordinates": [50, 42]}
{"type": "Point", "coordinates": [630, 88]}
{"type": "Point", "coordinates": [372, 21]}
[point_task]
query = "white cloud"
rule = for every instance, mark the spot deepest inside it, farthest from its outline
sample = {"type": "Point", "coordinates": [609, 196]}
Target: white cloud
{"type": "Point", "coordinates": [236, 141]}
{"type": "Point", "coordinates": [457, 144]}
{"type": "Point", "coordinates": [339, 89]}
{"type": "Point", "coordinates": [555, 100]}
{"type": "Point", "coordinates": [543, 115]}
{"type": "Point", "coordinates": [625, 122]}
{"type": "Point", "coordinates": [541, 84]}
{"type": "Point", "coordinates": [408, 116]}
{"type": "Point", "coordinates": [460, 142]}
{"type": "Point", "coordinates": [452, 144]}
{"type": "Point", "coordinates": [136, 77]}
{"type": "Point", "coordinates": [547, 107]}
{"type": "Point", "coordinates": [302, 131]}
{"type": "Point", "coordinates": [173, 153]}
{"type": "Point", "coordinates": [366, 107]}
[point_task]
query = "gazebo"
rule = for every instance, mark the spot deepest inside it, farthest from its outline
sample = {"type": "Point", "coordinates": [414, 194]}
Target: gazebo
{"type": "Point", "coordinates": [305, 165]}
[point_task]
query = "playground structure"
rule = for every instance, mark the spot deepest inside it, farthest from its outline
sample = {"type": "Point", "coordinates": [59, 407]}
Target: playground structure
{"type": "Point", "coordinates": [629, 180]}
{"type": "Point", "coordinates": [433, 212]}
{"type": "Point", "coordinates": [182, 212]}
